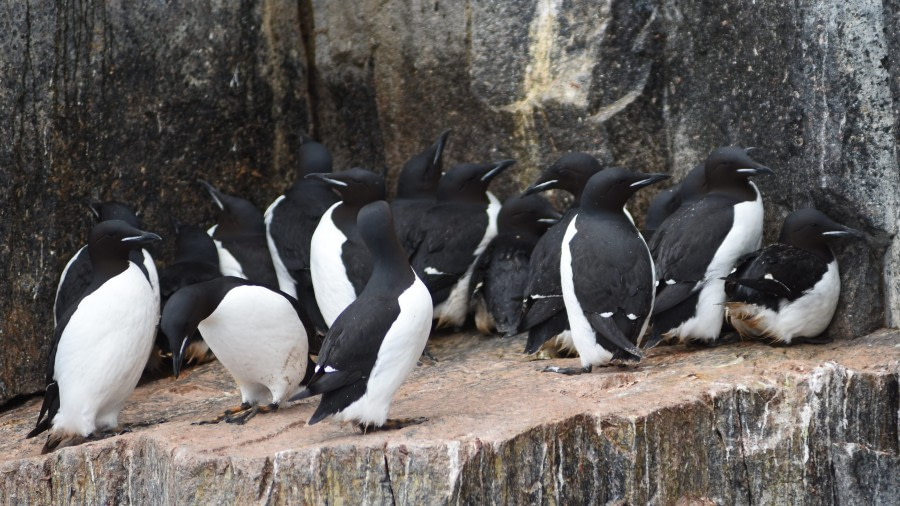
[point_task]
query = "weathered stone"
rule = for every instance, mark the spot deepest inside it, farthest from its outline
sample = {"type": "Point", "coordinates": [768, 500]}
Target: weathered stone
{"type": "Point", "coordinates": [738, 424]}
{"type": "Point", "coordinates": [132, 101]}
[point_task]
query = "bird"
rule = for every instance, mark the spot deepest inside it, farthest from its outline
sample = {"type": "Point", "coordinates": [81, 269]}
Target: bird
{"type": "Point", "coordinates": [419, 176]}
{"type": "Point", "coordinates": [256, 332]}
{"type": "Point", "coordinates": [668, 201]}
{"type": "Point", "coordinates": [543, 310]}
{"type": "Point", "coordinates": [700, 243]}
{"type": "Point", "coordinates": [76, 275]}
{"type": "Point", "coordinates": [607, 272]}
{"type": "Point", "coordinates": [290, 222]}
{"type": "Point", "coordinates": [500, 273]}
{"type": "Point", "coordinates": [452, 233]}
{"type": "Point", "coordinates": [788, 291]}
{"type": "Point", "coordinates": [340, 264]}
{"type": "Point", "coordinates": [375, 343]}
{"type": "Point", "coordinates": [196, 261]}
{"type": "Point", "coordinates": [102, 341]}
{"type": "Point", "coordinates": [240, 238]}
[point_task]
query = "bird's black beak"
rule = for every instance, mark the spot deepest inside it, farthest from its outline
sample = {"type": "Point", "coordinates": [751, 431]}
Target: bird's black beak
{"type": "Point", "coordinates": [327, 178]}
{"type": "Point", "coordinates": [214, 193]}
{"type": "Point", "coordinates": [540, 186]}
{"type": "Point", "coordinates": [759, 170]}
{"type": "Point", "coordinates": [94, 207]}
{"type": "Point", "coordinates": [648, 179]}
{"type": "Point", "coordinates": [497, 169]}
{"type": "Point", "coordinates": [439, 145]}
{"type": "Point", "coordinates": [845, 232]}
{"type": "Point", "coordinates": [143, 238]}
{"type": "Point", "coordinates": [178, 356]}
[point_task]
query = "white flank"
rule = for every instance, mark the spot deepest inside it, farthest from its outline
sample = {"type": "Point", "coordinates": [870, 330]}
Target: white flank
{"type": "Point", "coordinates": [256, 334]}
{"type": "Point", "coordinates": [228, 265]}
{"type": "Point", "coordinates": [582, 333]}
{"type": "Point", "coordinates": [286, 283]}
{"type": "Point", "coordinates": [150, 265]}
{"type": "Point", "coordinates": [333, 289]}
{"type": "Point", "coordinates": [102, 352]}
{"type": "Point", "coordinates": [744, 237]}
{"type": "Point", "coordinates": [453, 310]}
{"type": "Point", "coordinates": [401, 348]}
{"type": "Point", "coordinates": [62, 278]}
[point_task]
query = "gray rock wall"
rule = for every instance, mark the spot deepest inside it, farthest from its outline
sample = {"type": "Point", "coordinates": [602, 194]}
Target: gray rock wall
{"type": "Point", "coordinates": [106, 100]}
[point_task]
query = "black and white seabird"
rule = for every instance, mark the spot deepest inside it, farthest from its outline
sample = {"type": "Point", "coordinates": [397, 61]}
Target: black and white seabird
{"type": "Point", "coordinates": [77, 274]}
{"type": "Point", "coordinates": [668, 201]}
{"type": "Point", "coordinates": [196, 261]}
{"type": "Point", "coordinates": [543, 311]}
{"type": "Point", "coordinates": [501, 271]}
{"type": "Point", "coordinates": [699, 245]}
{"type": "Point", "coordinates": [607, 272]}
{"type": "Point", "coordinates": [290, 223]}
{"type": "Point", "coordinates": [419, 176]}
{"type": "Point", "coordinates": [102, 342]}
{"type": "Point", "coordinates": [340, 264]}
{"type": "Point", "coordinates": [373, 345]}
{"type": "Point", "coordinates": [240, 238]}
{"type": "Point", "coordinates": [255, 332]}
{"type": "Point", "coordinates": [788, 292]}
{"type": "Point", "coordinates": [452, 233]}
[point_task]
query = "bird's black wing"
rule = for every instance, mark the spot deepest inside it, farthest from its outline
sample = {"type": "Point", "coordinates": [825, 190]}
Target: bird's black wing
{"type": "Point", "coordinates": [349, 353]}
{"type": "Point", "coordinates": [543, 301]}
{"type": "Point", "coordinates": [357, 261]}
{"type": "Point", "coordinates": [663, 205]}
{"type": "Point", "coordinates": [778, 272]}
{"type": "Point", "coordinates": [613, 280]}
{"type": "Point", "coordinates": [75, 279]}
{"type": "Point", "coordinates": [451, 235]}
{"type": "Point", "coordinates": [295, 219]}
{"type": "Point", "coordinates": [409, 222]}
{"type": "Point", "coordinates": [505, 281]}
{"type": "Point", "coordinates": [684, 246]}
{"type": "Point", "coordinates": [252, 252]}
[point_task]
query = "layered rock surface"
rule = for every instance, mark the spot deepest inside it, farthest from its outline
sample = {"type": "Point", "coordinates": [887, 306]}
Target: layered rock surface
{"type": "Point", "coordinates": [738, 424]}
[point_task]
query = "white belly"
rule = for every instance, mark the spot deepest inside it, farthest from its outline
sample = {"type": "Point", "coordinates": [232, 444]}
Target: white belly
{"type": "Point", "coordinates": [583, 336]}
{"type": "Point", "coordinates": [402, 346]}
{"type": "Point", "coordinates": [103, 350]}
{"type": "Point", "coordinates": [228, 265]}
{"type": "Point", "coordinates": [256, 334]}
{"type": "Point", "coordinates": [333, 289]}
{"type": "Point", "coordinates": [286, 282]}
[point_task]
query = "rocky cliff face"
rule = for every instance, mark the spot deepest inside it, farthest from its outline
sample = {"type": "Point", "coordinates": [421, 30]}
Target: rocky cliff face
{"type": "Point", "coordinates": [738, 424]}
{"type": "Point", "coordinates": [104, 100]}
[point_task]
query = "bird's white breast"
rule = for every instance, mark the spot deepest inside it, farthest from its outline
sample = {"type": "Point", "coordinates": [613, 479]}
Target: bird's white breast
{"type": "Point", "coordinates": [333, 289]}
{"type": "Point", "coordinates": [228, 265]}
{"type": "Point", "coordinates": [286, 283]}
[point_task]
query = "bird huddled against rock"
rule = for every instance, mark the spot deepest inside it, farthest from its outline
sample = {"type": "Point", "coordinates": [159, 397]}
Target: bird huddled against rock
{"type": "Point", "coordinates": [788, 292]}
{"type": "Point", "coordinates": [102, 341]}
{"type": "Point", "coordinates": [374, 344]}
{"type": "Point", "coordinates": [606, 272]}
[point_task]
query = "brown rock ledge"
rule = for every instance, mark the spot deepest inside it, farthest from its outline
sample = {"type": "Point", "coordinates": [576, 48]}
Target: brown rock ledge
{"type": "Point", "coordinates": [742, 423]}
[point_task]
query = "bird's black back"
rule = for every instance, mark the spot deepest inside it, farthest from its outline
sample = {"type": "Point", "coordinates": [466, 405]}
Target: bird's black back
{"type": "Point", "coordinates": [775, 273]}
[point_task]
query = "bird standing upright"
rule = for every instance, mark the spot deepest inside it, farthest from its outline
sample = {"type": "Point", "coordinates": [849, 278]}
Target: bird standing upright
{"type": "Point", "coordinates": [102, 341]}
{"type": "Point", "coordinates": [607, 272]}
{"type": "Point", "coordinates": [699, 244]}
{"type": "Point", "coordinates": [374, 344]}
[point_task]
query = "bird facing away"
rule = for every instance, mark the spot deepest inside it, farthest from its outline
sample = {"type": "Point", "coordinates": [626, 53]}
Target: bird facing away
{"type": "Point", "coordinates": [419, 176]}
{"type": "Point", "coordinates": [543, 310]}
{"type": "Point", "coordinates": [290, 222]}
{"type": "Point", "coordinates": [788, 292]}
{"type": "Point", "coordinates": [607, 272]}
{"type": "Point", "coordinates": [501, 271]}
{"type": "Point", "coordinates": [240, 237]}
{"type": "Point", "coordinates": [452, 233]}
{"type": "Point", "coordinates": [668, 201]}
{"type": "Point", "coordinates": [77, 274]}
{"type": "Point", "coordinates": [101, 343]}
{"type": "Point", "coordinates": [699, 245]}
{"type": "Point", "coordinates": [375, 343]}
{"type": "Point", "coordinates": [256, 333]}
{"type": "Point", "coordinates": [340, 263]}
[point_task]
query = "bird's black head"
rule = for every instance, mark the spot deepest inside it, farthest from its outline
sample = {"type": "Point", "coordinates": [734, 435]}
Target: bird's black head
{"type": "Point", "coordinates": [731, 167]}
{"type": "Point", "coordinates": [375, 223]}
{"type": "Point", "coordinates": [610, 189]}
{"type": "Point", "coordinates": [529, 215]}
{"type": "Point", "coordinates": [236, 215]}
{"type": "Point", "coordinates": [180, 318]}
{"type": "Point", "coordinates": [110, 242]}
{"type": "Point", "coordinates": [468, 182]}
{"type": "Point", "coordinates": [812, 230]}
{"type": "Point", "coordinates": [193, 244]}
{"type": "Point", "coordinates": [112, 210]}
{"type": "Point", "coordinates": [570, 173]}
{"type": "Point", "coordinates": [421, 173]}
{"type": "Point", "coordinates": [356, 186]}
{"type": "Point", "coordinates": [314, 158]}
